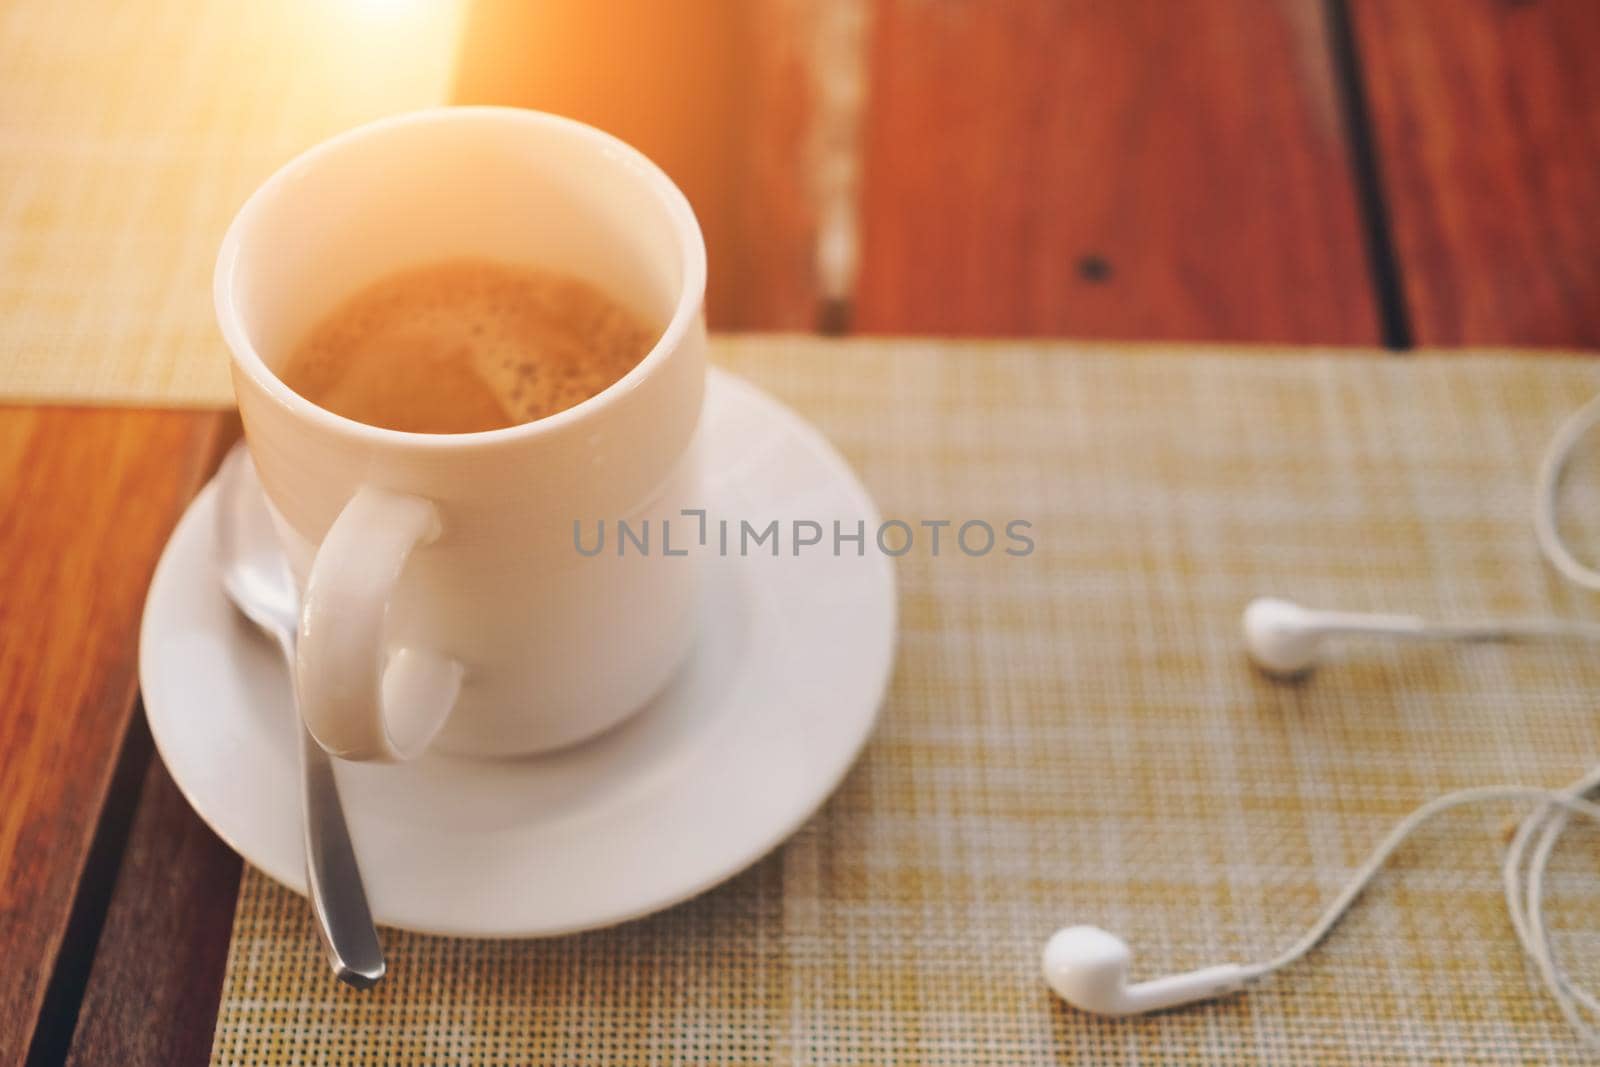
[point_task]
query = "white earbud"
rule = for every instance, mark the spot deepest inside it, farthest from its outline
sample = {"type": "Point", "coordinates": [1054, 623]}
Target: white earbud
{"type": "Point", "coordinates": [1284, 638]}
{"type": "Point", "coordinates": [1088, 968]}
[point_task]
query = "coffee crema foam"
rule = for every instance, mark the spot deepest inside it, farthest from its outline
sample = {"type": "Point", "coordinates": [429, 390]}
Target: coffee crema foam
{"type": "Point", "coordinates": [466, 345]}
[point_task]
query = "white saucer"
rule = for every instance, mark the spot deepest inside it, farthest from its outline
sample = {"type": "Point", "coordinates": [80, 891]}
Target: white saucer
{"type": "Point", "coordinates": [757, 730]}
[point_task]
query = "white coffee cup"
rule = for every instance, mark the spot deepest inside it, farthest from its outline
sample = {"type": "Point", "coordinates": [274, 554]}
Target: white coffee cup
{"type": "Point", "coordinates": [444, 593]}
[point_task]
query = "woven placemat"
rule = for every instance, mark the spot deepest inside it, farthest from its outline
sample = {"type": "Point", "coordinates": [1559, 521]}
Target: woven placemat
{"type": "Point", "coordinates": [1075, 737]}
{"type": "Point", "coordinates": [130, 133]}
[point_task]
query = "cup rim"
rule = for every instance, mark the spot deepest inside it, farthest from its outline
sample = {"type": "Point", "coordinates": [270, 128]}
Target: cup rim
{"type": "Point", "coordinates": [246, 359]}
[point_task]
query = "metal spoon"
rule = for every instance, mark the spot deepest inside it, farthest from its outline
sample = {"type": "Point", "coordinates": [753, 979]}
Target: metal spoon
{"type": "Point", "coordinates": [256, 578]}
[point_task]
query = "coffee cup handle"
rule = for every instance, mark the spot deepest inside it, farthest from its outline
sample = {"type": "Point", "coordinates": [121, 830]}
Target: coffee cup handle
{"type": "Point", "coordinates": [360, 699]}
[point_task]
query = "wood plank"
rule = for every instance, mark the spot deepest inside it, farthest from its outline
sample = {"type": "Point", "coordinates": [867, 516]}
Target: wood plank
{"type": "Point", "coordinates": [152, 996]}
{"type": "Point", "coordinates": [1152, 171]}
{"type": "Point", "coordinates": [715, 91]}
{"type": "Point", "coordinates": [90, 497]}
{"type": "Point", "coordinates": [1486, 116]}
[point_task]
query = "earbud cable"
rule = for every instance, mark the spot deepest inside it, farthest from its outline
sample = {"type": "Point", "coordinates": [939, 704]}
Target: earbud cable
{"type": "Point", "coordinates": [1551, 468]}
{"type": "Point", "coordinates": [1397, 837]}
{"type": "Point", "coordinates": [1523, 873]}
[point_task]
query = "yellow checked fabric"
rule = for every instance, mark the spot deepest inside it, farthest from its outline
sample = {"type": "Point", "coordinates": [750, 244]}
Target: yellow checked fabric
{"type": "Point", "coordinates": [131, 132]}
{"type": "Point", "coordinates": [1075, 737]}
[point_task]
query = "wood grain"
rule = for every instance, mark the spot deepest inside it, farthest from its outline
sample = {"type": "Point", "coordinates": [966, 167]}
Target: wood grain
{"type": "Point", "coordinates": [90, 497]}
{"type": "Point", "coordinates": [1486, 118]}
{"type": "Point", "coordinates": [1153, 171]}
{"type": "Point", "coordinates": [152, 996]}
{"type": "Point", "coordinates": [715, 91]}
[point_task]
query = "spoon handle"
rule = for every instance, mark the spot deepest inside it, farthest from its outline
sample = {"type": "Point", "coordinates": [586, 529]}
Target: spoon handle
{"type": "Point", "coordinates": [333, 879]}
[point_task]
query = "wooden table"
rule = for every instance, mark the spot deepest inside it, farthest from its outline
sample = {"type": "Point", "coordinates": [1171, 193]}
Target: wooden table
{"type": "Point", "coordinates": [1360, 171]}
